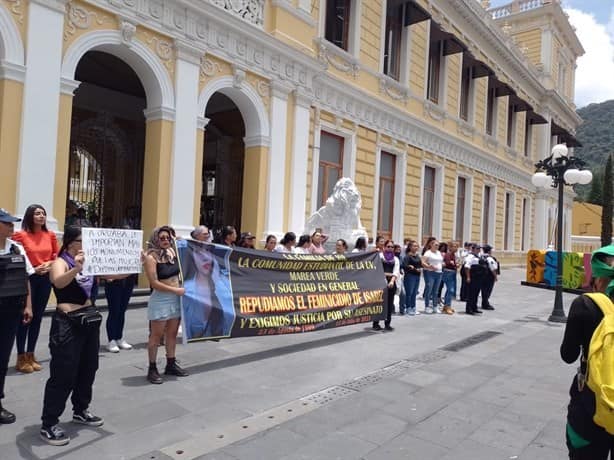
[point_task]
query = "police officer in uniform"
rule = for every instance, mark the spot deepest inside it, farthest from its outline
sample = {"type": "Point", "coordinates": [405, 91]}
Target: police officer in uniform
{"type": "Point", "coordinates": [474, 277]}
{"type": "Point", "coordinates": [15, 303]}
{"type": "Point", "coordinates": [490, 278]}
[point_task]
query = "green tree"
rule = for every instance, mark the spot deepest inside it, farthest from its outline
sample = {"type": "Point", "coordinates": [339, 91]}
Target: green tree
{"type": "Point", "coordinates": [607, 203]}
{"type": "Point", "coordinates": [595, 195]}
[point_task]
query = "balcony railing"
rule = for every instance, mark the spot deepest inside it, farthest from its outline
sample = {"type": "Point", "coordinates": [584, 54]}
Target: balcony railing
{"type": "Point", "coordinates": [251, 11]}
{"type": "Point", "coordinates": [517, 6]}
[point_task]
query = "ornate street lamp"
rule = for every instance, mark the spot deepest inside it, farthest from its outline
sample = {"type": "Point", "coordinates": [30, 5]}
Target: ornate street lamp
{"type": "Point", "coordinates": [556, 171]}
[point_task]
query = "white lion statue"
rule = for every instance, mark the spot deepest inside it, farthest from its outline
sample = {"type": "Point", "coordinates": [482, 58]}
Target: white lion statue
{"type": "Point", "coordinates": [340, 216]}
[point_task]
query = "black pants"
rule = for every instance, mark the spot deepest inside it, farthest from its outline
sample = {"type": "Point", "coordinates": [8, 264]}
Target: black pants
{"type": "Point", "coordinates": [596, 450]}
{"type": "Point", "coordinates": [388, 304]}
{"type": "Point", "coordinates": [487, 286]}
{"type": "Point", "coordinates": [118, 296]}
{"type": "Point", "coordinates": [473, 291]}
{"type": "Point", "coordinates": [463, 288]}
{"type": "Point", "coordinates": [40, 289]}
{"type": "Point", "coordinates": [580, 411]}
{"type": "Point", "coordinates": [11, 312]}
{"type": "Point", "coordinates": [74, 362]}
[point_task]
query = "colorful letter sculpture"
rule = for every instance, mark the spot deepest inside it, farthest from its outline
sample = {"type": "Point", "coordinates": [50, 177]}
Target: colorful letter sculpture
{"type": "Point", "coordinates": [542, 267]}
{"type": "Point", "coordinates": [550, 270]}
{"type": "Point", "coordinates": [535, 266]}
{"type": "Point", "coordinates": [573, 270]}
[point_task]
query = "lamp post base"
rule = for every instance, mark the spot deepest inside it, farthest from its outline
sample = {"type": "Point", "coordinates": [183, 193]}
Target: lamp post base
{"type": "Point", "coordinates": [557, 319]}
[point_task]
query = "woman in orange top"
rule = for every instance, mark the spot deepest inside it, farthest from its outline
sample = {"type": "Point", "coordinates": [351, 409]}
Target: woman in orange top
{"type": "Point", "coordinates": [41, 248]}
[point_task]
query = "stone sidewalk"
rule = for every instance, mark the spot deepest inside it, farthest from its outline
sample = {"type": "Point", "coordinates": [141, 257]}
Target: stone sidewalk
{"type": "Point", "coordinates": [438, 387]}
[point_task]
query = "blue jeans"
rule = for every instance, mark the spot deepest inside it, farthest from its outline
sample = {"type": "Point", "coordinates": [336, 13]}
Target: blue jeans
{"type": "Point", "coordinates": [118, 294]}
{"type": "Point", "coordinates": [402, 299]}
{"type": "Point", "coordinates": [411, 283]}
{"type": "Point", "coordinates": [449, 281]}
{"type": "Point", "coordinates": [432, 280]}
{"type": "Point", "coordinates": [40, 289]}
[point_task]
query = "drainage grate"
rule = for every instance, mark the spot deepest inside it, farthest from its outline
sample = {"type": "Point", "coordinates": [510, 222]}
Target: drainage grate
{"type": "Point", "coordinates": [430, 357]}
{"type": "Point", "coordinates": [398, 368]}
{"type": "Point", "coordinates": [329, 395]}
{"type": "Point", "coordinates": [362, 382]}
{"type": "Point", "coordinates": [470, 341]}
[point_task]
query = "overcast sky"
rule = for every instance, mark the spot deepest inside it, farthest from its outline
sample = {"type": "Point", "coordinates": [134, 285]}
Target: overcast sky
{"type": "Point", "coordinates": [594, 23]}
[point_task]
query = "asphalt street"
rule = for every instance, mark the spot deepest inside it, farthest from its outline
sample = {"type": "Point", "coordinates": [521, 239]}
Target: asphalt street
{"type": "Point", "coordinates": [437, 387]}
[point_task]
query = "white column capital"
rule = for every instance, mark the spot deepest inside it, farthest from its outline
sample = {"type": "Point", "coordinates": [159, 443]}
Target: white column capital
{"type": "Point", "coordinates": [256, 141]}
{"type": "Point", "coordinates": [202, 122]}
{"type": "Point", "coordinates": [280, 89]}
{"type": "Point", "coordinates": [302, 98]}
{"type": "Point", "coordinates": [10, 71]}
{"type": "Point", "coordinates": [55, 5]}
{"type": "Point", "coordinates": [187, 52]}
{"type": "Point", "coordinates": [159, 113]}
{"type": "Point", "coordinates": [68, 86]}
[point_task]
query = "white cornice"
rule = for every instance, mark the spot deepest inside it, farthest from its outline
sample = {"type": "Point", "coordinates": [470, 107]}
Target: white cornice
{"type": "Point", "coordinates": [480, 20]}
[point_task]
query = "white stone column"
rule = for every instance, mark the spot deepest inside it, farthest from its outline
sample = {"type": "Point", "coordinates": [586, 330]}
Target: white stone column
{"type": "Point", "coordinates": [277, 159]}
{"type": "Point", "coordinates": [298, 172]}
{"type": "Point", "coordinates": [184, 138]}
{"type": "Point", "coordinates": [540, 222]}
{"type": "Point", "coordinates": [41, 103]}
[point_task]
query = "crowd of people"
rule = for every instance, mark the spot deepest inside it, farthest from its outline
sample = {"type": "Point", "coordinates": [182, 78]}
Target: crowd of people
{"type": "Point", "coordinates": [32, 265]}
{"type": "Point", "coordinates": [39, 266]}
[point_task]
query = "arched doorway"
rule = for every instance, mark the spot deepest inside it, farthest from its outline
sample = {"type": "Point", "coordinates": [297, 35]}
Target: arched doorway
{"type": "Point", "coordinates": [107, 143]}
{"type": "Point", "coordinates": [223, 163]}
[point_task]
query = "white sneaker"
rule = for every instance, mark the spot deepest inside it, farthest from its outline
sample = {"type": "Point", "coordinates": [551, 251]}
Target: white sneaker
{"type": "Point", "coordinates": [112, 347]}
{"type": "Point", "coordinates": [122, 344]}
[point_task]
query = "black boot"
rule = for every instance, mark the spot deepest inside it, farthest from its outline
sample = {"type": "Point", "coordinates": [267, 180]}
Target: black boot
{"type": "Point", "coordinates": [6, 417]}
{"type": "Point", "coordinates": [172, 368]}
{"type": "Point", "coordinates": [152, 374]}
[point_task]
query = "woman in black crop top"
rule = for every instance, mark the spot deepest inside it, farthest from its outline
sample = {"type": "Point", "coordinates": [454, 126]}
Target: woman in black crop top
{"type": "Point", "coordinates": [163, 308]}
{"type": "Point", "coordinates": [73, 342]}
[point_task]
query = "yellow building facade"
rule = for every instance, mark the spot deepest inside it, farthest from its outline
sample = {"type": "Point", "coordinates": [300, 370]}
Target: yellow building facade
{"type": "Point", "coordinates": [247, 112]}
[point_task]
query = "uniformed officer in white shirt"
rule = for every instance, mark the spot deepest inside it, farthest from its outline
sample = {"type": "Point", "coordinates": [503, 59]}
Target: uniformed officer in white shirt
{"type": "Point", "coordinates": [462, 254]}
{"type": "Point", "coordinates": [491, 277]}
{"type": "Point", "coordinates": [474, 276]}
{"type": "Point", "coordinates": [15, 302]}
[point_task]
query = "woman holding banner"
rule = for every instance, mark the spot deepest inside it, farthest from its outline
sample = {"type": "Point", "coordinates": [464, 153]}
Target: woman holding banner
{"type": "Point", "coordinates": [163, 309]}
{"type": "Point", "coordinates": [392, 272]}
{"type": "Point", "coordinates": [207, 303]}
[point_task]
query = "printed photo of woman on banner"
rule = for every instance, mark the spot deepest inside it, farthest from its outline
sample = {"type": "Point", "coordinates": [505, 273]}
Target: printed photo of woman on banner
{"type": "Point", "coordinates": [208, 310]}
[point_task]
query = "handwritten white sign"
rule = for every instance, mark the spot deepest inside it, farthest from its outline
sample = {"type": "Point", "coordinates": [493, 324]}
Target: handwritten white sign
{"type": "Point", "coordinates": [111, 251]}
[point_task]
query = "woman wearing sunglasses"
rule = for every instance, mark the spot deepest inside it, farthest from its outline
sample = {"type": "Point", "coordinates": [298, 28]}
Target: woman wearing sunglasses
{"type": "Point", "coordinates": [163, 308]}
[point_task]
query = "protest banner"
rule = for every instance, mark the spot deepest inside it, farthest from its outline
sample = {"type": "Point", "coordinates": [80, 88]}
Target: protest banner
{"type": "Point", "coordinates": [111, 251]}
{"type": "Point", "coordinates": [236, 292]}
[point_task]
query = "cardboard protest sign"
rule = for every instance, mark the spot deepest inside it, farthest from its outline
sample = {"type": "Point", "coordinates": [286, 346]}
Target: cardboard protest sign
{"type": "Point", "coordinates": [111, 251]}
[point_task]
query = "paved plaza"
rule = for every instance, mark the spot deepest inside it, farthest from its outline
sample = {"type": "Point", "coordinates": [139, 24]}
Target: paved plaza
{"type": "Point", "coordinates": [438, 387]}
